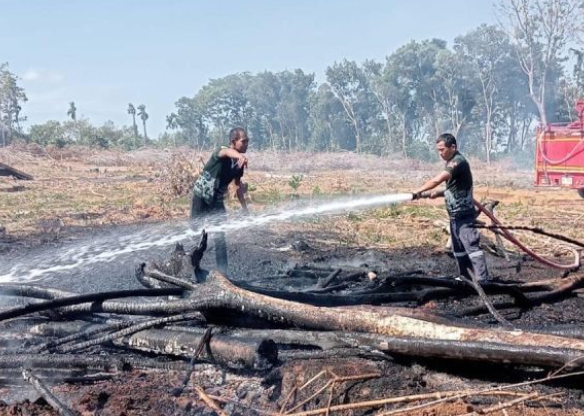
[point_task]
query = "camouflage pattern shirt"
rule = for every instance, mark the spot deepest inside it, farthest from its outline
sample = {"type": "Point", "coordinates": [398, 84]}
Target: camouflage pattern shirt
{"type": "Point", "coordinates": [218, 173]}
{"type": "Point", "coordinates": [458, 194]}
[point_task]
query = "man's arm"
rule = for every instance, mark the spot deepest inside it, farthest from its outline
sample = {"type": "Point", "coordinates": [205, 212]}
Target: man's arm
{"type": "Point", "coordinates": [233, 154]}
{"type": "Point", "coordinates": [437, 194]}
{"type": "Point", "coordinates": [241, 193]}
{"type": "Point", "coordinates": [434, 182]}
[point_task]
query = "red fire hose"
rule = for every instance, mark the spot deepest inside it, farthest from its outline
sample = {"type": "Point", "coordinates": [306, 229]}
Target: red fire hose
{"type": "Point", "coordinates": [509, 236]}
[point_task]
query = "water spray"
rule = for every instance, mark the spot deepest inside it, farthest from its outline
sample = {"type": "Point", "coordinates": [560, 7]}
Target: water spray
{"type": "Point", "coordinates": [108, 250]}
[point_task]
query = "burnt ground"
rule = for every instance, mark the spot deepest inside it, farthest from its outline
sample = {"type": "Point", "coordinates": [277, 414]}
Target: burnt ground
{"type": "Point", "coordinates": [256, 256]}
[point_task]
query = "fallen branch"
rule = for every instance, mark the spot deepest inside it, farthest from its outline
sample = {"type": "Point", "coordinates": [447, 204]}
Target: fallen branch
{"type": "Point", "coordinates": [6, 170]}
{"type": "Point", "coordinates": [209, 402]}
{"type": "Point", "coordinates": [560, 289]}
{"type": "Point", "coordinates": [88, 298]}
{"type": "Point", "coordinates": [128, 331]}
{"type": "Point", "coordinates": [535, 230]}
{"type": "Point", "coordinates": [323, 283]}
{"type": "Point", "coordinates": [477, 286]}
{"type": "Point", "coordinates": [204, 342]}
{"type": "Point", "coordinates": [153, 273]}
{"type": "Point", "coordinates": [504, 405]}
{"type": "Point", "coordinates": [219, 293]}
{"type": "Point", "coordinates": [259, 354]}
{"type": "Point", "coordinates": [393, 400]}
{"type": "Point", "coordinates": [34, 361]}
{"type": "Point", "coordinates": [46, 394]}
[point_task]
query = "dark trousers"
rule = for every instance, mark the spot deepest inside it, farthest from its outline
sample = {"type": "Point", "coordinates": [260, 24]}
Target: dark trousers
{"type": "Point", "coordinates": [465, 246]}
{"type": "Point", "coordinates": [204, 214]}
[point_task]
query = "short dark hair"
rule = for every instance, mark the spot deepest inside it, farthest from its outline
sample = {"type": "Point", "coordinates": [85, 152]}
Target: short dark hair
{"type": "Point", "coordinates": [448, 139]}
{"type": "Point", "coordinates": [235, 132]}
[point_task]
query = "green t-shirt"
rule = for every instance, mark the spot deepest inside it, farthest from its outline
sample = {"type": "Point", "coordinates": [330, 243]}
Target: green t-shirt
{"type": "Point", "coordinates": [458, 194]}
{"type": "Point", "coordinates": [217, 175]}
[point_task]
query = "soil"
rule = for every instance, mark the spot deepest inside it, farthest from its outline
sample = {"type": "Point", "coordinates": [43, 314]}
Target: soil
{"type": "Point", "coordinates": [255, 255]}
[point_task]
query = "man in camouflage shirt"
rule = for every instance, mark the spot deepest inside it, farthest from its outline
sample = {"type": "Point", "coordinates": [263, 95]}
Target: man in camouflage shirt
{"type": "Point", "coordinates": [460, 207]}
{"type": "Point", "coordinates": [225, 165]}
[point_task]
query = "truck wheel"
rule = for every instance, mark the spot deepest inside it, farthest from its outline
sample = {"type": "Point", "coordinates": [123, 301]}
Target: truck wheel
{"type": "Point", "coordinates": [581, 192]}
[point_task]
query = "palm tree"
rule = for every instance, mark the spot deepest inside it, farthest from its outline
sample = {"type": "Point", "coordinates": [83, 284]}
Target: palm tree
{"type": "Point", "coordinates": [172, 124]}
{"type": "Point", "coordinates": [143, 116]}
{"type": "Point", "coordinates": [72, 112]}
{"type": "Point", "coordinates": [132, 112]}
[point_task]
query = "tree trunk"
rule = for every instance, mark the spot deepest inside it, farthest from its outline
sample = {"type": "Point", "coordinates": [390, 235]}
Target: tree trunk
{"type": "Point", "coordinates": [219, 293]}
{"type": "Point", "coordinates": [404, 137]}
{"type": "Point", "coordinates": [258, 353]}
{"type": "Point", "coordinates": [135, 126]}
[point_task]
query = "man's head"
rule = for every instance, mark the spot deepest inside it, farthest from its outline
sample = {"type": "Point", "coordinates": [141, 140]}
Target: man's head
{"type": "Point", "coordinates": [238, 138]}
{"type": "Point", "coordinates": [446, 146]}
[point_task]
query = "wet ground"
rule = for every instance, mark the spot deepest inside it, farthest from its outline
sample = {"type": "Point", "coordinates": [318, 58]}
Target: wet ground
{"type": "Point", "coordinates": [255, 256]}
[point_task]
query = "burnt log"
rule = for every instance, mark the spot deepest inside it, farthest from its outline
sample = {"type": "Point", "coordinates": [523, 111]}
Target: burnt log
{"type": "Point", "coordinates": [81, 299]}
{"type": "Point", "coordinates": [46, 394]}
{"type": "Point", "coordinates": [6, 170]}
{"type": "Point", "coordinates": [381, 295]}
{"type": "Point", "coordinates": [259, 354]}
{"type": "Point", "coordinates": [557, 289]}
{"type": "Point", "coordinates": [122, 332]}
{"type": "Point", "coordinates": [427, 348]}
{"type": "Point", "coordinates": [50, 361]}
{"type": "Point", "coordinates": [218, 293]}
{"type": "Point", "coordinates": [29, 291]}
{"type": "Point", "coordinates": [148, 272]}
{"type": "Point", "coordinates": [323, 283]}
{"type": "Point", "coordinates": [54, 376]}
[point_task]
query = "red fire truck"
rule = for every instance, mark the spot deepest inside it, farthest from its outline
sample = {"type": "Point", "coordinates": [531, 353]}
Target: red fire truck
{"type": "Point", "coordinates": [559, 160]}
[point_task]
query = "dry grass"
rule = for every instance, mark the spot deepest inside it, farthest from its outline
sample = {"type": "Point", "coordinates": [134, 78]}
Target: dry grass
{"type": "Point", "coordinates": [90, 188]}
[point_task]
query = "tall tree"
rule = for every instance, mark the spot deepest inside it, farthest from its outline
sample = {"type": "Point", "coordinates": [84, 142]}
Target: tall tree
{"type": "Point", "coordinates": [190, 118]}
{"type": "Point", "coordinates": [541, 30]}
{"type": "Point", "coordinates": [329, 125]}
{"type": "Point", "coordinates": [12, 97]}
{"type": "Point", "coordinates": [385, 94]}
{"type": "Point", "coordinates": [349, 85]}
{"type": "Point", "coordinates": [172, 124]}
{"type": "Point", "coordinates": [143, 116]}
{"type": "Point", "coordinates": [264, 94]}
{"type": "Point", "coordinates": [488, 52]}
{"type": "Point", "coordinates": [456, 99]}
{"type": "Point", "coordinates": [226, 103]}
{"type": "Point", "coordinates": [132, 111]}
{"type": "Point", "coordinates": [292, 107]}
{"type": "Point", "coordinates": [411, 74]}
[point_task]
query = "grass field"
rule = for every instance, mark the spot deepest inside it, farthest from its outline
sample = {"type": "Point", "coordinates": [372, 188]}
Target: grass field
{"type": "Point", "coordinates": [83, 188]}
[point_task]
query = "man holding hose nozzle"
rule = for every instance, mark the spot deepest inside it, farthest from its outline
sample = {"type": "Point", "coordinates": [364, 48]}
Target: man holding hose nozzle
{"type": "Point", "coordinates": [460, 207]}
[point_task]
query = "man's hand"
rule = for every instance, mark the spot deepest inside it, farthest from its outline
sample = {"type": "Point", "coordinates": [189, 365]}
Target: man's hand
{"type": "Point", "coordinates": [416, 195]}
{"type": "Point", "coordinates": [436, 194]}
{"type": "Point", "coordinates": [241, 161]}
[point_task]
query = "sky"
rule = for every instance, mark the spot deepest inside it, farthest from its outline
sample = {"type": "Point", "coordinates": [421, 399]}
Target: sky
{"type": "Point", "coordinates": [105, 54]}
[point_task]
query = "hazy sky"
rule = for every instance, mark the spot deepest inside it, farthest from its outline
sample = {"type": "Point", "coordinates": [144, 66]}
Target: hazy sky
{"type": "Point", "coordinates": [104, 54]}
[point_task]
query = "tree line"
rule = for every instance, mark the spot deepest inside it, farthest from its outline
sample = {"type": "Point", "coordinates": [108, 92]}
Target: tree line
{"type": "Point", "coordinates": [490, 88]}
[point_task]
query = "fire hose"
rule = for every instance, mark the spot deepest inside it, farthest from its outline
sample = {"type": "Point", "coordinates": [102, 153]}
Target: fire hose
{"type": "Point", "coordinates": [578, 148]}
{"type": "Point", "coordinates": [509, 236]}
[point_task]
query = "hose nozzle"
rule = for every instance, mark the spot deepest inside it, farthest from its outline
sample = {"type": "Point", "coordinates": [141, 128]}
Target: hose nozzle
{"type": "Point", "coordinates": [421, 195]}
